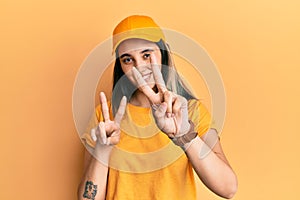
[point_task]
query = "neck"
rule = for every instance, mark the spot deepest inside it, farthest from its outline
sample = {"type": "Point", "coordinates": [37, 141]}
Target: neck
{"type": "Point", "coordinates": [140, 99]}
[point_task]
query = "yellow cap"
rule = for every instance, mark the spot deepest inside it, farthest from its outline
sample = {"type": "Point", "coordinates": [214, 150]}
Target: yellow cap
{"type": "Point", "coordinates": [137, 26]}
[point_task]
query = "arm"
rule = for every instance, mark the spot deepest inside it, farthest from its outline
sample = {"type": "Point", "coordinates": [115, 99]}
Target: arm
{"type": "Point", "coordinates": [171, 116]}
{"type": "Point", "coordinates": [212, 168]}
{"type": "Point", "coordinates": [94, 181]}
{"type": "Point", "coordinates": [106, 134]}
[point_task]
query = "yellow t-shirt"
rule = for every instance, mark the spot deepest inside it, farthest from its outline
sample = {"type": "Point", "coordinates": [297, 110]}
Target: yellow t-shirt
{"type": "Point", "coordinates": [145, 164]}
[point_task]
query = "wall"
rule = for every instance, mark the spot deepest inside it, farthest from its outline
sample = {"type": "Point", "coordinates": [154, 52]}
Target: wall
{"type": "Point", "coordinates": [255, 45]}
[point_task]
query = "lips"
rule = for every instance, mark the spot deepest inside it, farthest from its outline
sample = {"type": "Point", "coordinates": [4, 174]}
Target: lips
{"type": "Point", "coordinates": [147, 76]}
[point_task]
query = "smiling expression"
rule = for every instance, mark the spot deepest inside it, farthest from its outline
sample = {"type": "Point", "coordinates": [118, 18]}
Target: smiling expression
{"type": "Point", "coordinates": [136, 53]}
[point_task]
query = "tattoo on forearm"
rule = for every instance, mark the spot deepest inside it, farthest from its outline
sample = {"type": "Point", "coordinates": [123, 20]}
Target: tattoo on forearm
{"type": "Point", "coordinates": [90, 190]}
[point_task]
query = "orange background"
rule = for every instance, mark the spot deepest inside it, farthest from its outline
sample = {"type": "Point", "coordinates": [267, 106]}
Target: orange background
{"type": "Point", "coordinates": [255, 45]}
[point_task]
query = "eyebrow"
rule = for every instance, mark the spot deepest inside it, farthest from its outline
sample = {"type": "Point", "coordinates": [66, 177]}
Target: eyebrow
{"type": "Point", "coordinates": [144, 51]}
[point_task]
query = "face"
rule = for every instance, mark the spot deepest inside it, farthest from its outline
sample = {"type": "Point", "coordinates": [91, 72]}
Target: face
{"type": "Point", "coordinates": [136, 53]}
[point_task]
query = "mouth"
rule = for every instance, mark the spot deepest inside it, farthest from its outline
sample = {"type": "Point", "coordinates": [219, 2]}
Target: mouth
{"type": "Point", "coordinates": [147, 76]}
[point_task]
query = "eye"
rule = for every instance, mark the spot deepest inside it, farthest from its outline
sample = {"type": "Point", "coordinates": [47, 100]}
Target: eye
{"type": "Point", "coordinates": [127, 60]}
{"type": "Point", "coordinates": [146, 55]}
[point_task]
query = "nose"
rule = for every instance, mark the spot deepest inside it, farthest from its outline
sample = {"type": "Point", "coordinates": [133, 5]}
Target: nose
{"type": "Point", "coordinates": [141, 64]}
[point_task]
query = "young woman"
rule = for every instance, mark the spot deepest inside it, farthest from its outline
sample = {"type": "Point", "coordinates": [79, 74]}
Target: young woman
{"type": "Point", "coordinates": [145, 142]}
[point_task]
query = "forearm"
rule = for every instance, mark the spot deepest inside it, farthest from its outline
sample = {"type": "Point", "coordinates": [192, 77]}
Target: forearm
{"type": "Point", "coordinates": [212, 169]}
{"type": "Point", "coordinates": [94, 181]}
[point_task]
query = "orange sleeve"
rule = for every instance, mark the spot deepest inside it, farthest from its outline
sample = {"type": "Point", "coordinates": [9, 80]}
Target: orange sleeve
{"type": "Point", "coordinates": [200, 116]}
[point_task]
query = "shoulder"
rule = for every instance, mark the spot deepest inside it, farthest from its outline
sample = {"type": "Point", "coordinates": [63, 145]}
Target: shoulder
{"type": "Point", "coordinates": [195, 105]}
{"type": "Point", "coordinates": [199, 115]}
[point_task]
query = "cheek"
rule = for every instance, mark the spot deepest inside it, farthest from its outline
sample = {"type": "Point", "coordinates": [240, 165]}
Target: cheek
{"type": "Point", "coordinates": [158, 57]}
{"type": "Point", "coordinates": [126, 68]}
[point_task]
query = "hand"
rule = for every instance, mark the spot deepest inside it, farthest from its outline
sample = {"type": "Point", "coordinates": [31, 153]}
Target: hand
{"type": "Point", "coordinates": [108, 132]}
{"type": "Point", "coordinates": [169, 109]}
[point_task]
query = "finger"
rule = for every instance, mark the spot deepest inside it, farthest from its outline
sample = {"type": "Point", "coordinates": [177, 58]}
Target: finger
{"type": "Point", "coordinates": [176, 125]}
{"type": "Point", "coordinates": [104, 107]}
{"type": "Point", "coordinates": [168, 99]}
{"type": "Point", "coordinates": [155, 106]}
{"type": "Point", "coordinates": [102, 132]}
{"type": "Point", "coordinates": [93, 134]}
{"type": "Point", "coordinates": [160, 114]}
{"type": "Point", "coordinates": [159, 81]}
{"type": "Point", "coordinates": [121, 110]}
{"type": "Point", "coordinates": [161, 111]}
{"type": "Point", "coordinates": [113, 139]}
{"type": "Point", "coordinates": [142, 85]}
{"type": "Point", "coordinates": [177, 106]}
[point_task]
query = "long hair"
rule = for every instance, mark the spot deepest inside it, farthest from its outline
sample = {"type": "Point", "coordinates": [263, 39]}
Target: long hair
{"type": "Point", "coordinates": [122, 86]}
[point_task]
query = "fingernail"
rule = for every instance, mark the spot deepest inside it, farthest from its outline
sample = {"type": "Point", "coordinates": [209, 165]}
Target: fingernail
{"type": "Point", "coordinates": [173, 115]}
{"type": "Point", "coordinates": [169, 115]}
{"type": "Point", "coordinates": [93, 135]}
